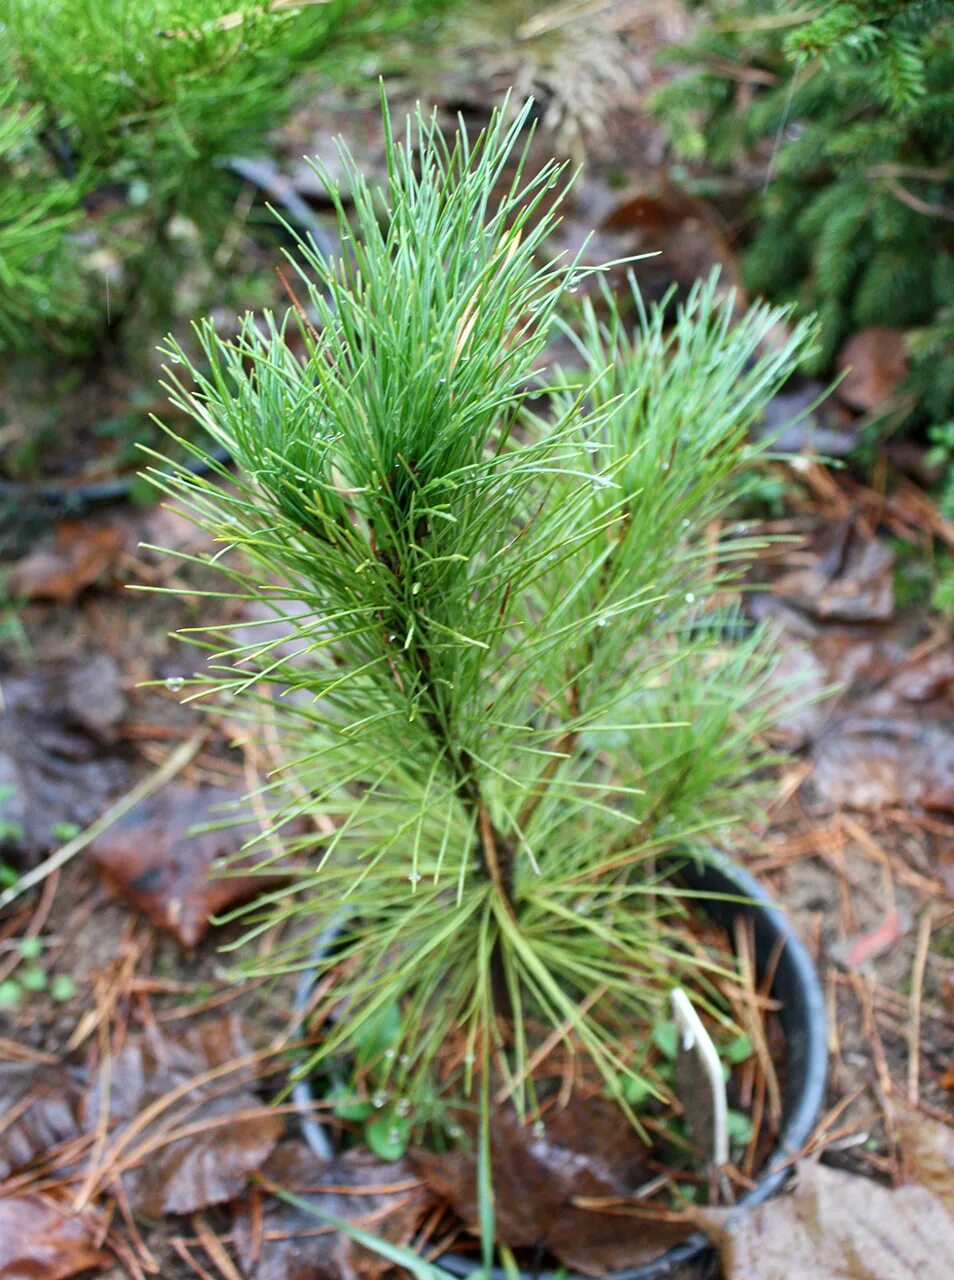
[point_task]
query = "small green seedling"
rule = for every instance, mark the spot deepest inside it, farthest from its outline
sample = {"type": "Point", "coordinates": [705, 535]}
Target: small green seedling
{"type": "Point", "coordinates": [29, 978]}
{"type": "Point", "coordinates": [64, 831]}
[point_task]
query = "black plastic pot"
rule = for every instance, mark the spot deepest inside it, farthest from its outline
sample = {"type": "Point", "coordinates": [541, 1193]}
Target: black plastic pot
{"type": "Point", "coordinates": [802, 1014]}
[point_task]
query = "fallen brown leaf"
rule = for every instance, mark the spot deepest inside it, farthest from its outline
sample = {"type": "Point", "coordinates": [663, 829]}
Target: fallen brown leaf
{"type": "Point", "coordinates": [233, 1131]}
{"type": "Point", "coordinates": [38, 1110]}
{"type": "Point", "coordinates": [842, 1227]}
{"type": "Point", "coordinates": [931, 678]}
{"type": "Point", "coordinates": [837, 1226]}
{"type": "Point", "coordinates": [387, 1198]}
{"type": "Point", "coordinates": [848, 580]}
{"type": "Point", "coordinates": [801, 676]}
{"type": "Point", "coordinates": [928, 1155]}
{"type": "Point", "coordinates": [678, 227]}
{"type": "Point", "coordinates": [173, 877]}
{"type": "Point", "coordinates": [870, 761]}
{"type": "Point", "coordinates": [884, 737]}
{"type": "Point", "coordinates": [876, 361]}
{"type": "Point", "coordinates": [39, 1240]}
{"type": "Point", "coordinates": [799, 419]}
{"type": "Point", "coordinates": [57, 727]}
{"type": "Point", "coordinates": [82, 551]}
{"type": "Point", "coordinates": [585, 1151]}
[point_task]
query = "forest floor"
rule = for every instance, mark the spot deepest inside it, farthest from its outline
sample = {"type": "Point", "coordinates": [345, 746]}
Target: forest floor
{"type": "Point", "coordinates": [134, 1068]}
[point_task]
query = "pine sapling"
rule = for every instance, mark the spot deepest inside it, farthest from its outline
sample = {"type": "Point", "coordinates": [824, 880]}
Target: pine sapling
{"type": "Point", "coordinates": [509, 684]}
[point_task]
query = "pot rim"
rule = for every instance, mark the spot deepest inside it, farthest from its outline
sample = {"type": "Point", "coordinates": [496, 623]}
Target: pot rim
{"type": "Point", "coordinates": [804, 1021]}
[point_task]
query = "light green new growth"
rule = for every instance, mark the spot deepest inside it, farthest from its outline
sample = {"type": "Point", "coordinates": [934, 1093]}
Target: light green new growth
{"type": "Point", "coordinates": [506, 675]}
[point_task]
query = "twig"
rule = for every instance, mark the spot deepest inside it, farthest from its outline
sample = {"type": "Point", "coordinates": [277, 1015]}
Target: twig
{"type": "Point", "coordinates": [140, 1251]}
{"type": "Point", "coordinates": [818, 1141]}
{"type": "Point", "coordinates": [939, 174]}
{"type": "Point", "coordinates": [729, 70]}
{"type": "Point", "coordinates": [175, 763]}
{"type": "Point", "coordinates": [297, 304]}
{"type": "Point", "coordinates": [768, 22]}
{"type": "Point", "coordinates": [13, 1051]}
{"type": "Point", "coordinates": [256, 1212]}
{"type": "Point", "coordinates": [105, 1097]}
{"type": "Point", "coordinates": [870, 848]}
{"type": "Point", "coordinates": [882, 1084]}
{"type": "Point", "coordinates": [906, 197]}
{"type": "Point", "coordinates": [283, 191]}
{"type": "Point", "coordinates": [182, 1129]}
{"type": "Point", "coordinates": [194, 1008]}
{"type": "Point", "coordinates": [917, 991]}
{"type": "Point", "coordinates": [112, 985]}
{"type": "Point", "coordinates": [215, 1249]}
{"type": "Point", "coordinates": [546, 1048]}
{"type": "Point", "coordinates": [489, 847]}
{"type": "Point", "coordinates": [184, 1252]}
{"type": "Point", "coordinates": [561, 16]}
{"type": "Point", "coordinates": [752, 1023]}
{"type": "Point", "coordinates": [562, 750]}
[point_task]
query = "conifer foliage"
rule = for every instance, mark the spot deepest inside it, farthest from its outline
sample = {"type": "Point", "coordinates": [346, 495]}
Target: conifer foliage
{"type": "Point", "coordinates": [848, 111]}
{"type": "Point", "coordinates": [136, 106]}
{"type": "Point", "coordinates": [37, 210]}
{"type": "Point", "coordinates": [503, 686]}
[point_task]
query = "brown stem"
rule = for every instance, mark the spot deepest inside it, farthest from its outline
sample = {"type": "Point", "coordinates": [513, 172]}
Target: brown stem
{"type": "Point", "coordinates": [562, 750]}
{"type": "Point", "coordinates": [497, 854]}
{"type": "Point", "coordinates": [908, 198]}
{"type": "Point", "coordinates": [489, 848]}
{"type": "Point", "coordinates": [496, 851]}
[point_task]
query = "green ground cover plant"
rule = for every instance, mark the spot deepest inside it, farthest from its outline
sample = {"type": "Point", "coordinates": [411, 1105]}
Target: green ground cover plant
{"type": "Point", "coordinates": [118, 120]}
{"type": "Point", "coordinates": [37, 210]}
{"type": "Point", "coordinates": [843, 113]}
{"type": "Point", "coordinates": [508, 671]}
